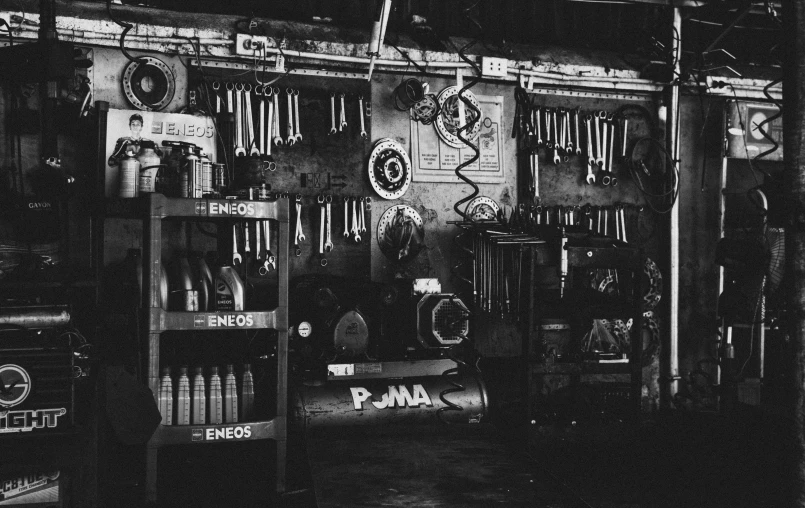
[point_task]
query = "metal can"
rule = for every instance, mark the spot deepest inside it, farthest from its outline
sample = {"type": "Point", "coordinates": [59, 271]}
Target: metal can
{"type": "Point", "coordinates": [149, 166]}
{"type": "Point", "coordinates": [129, 174]}
{"type": "Point", "coordinates": [219, 170]}
{"type": "Point", "coordinates": [190, 174]}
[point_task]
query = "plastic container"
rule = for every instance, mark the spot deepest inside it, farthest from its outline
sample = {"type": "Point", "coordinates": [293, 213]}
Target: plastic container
{"type": "Point", "coordinates": [199, 416]}
{"type": "Point", "coordinates": [216, 403]}
{"type": "Point", "coordinates": [230, 395]}
{"type": "Point", "coordinates": [165, 397]}
{"type": "Point", "coordinates": [229, 291]}
{"type": "Point", "coordinates": [202, 281]}
{"type": "Point", "coordinates": [247, 394]}
{"type": "Point", "coordinates": [149, 166]}
{"type": "Point", "coordinates": [134, 263]}
{"type": "Point", "coordinates": [183, 398]}
{"type": "Point", "coordinates": [182, 295]}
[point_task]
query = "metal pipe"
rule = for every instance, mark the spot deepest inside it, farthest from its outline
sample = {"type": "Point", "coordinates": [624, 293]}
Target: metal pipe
{"type": "Point", "coordinates": [35, 316]}
{"type": "Point", "coordinates": [672, 142]}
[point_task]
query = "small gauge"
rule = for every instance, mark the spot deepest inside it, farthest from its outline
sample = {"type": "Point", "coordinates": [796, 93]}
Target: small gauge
{"type": "Point", "coordinates": [304, 329]}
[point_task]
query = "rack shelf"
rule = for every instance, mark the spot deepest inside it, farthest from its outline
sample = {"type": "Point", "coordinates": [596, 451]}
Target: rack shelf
{"type": "Point", "coordinates": [159, 206]}
{"type": "Point", "coordinates": [220, 433]}
{"type": "Point", "coordinates": [160, 320]}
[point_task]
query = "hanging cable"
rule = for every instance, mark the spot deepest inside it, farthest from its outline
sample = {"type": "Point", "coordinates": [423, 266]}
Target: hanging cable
{"type": "Point", "coordinates": [126, 28]}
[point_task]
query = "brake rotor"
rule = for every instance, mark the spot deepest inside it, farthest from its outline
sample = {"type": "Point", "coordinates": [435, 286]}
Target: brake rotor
{"type": "Point", "coordinates": [447, 123]}
{"type": "Point", "coordinates": [389, 169]}
{"type": "Point", "coordinates": [482, 208]}
{"type": "Point", "coordinates": [398, 242]}
{"type": "Point", "coordinates": [149, 84]}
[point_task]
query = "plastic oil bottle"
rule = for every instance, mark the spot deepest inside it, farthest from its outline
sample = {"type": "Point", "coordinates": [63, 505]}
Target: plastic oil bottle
{"type": "Point", "coordinates": [129, 175]}
{"type": "Point", "coordinates": [230, 395]}
{"type": "Point", "coordinates": [202, 281]}
{"type": "Point", "coordinates": [149, 167]}
{"type": "Point", "coordinates": [247, 394]}
{"type": "Point", "coordinates": [166, 397]}
{"type": "Point", "coordinates": [180, 286]}
{"type": "Point", "coordinates": [229, 291]}
{"type": "Point", "coordinates": [216, 402]}
{"type": "Point", "coordinates": [183, 398]}
{"type": "Point", "coordinates": [199, 416]}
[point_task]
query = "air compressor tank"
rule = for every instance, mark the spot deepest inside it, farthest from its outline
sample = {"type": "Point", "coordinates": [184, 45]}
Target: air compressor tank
{"type": "Point", "coordinates": [344, 402]}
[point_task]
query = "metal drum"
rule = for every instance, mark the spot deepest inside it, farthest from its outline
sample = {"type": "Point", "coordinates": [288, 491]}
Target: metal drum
{"type": "Point", "coordinates": [389, 401]}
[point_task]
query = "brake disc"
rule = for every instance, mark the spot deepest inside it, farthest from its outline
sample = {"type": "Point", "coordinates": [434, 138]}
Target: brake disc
{"type": "Point", "coordinates": [389, 169]}
{"type": "Point", "coordinates": [149, 84]}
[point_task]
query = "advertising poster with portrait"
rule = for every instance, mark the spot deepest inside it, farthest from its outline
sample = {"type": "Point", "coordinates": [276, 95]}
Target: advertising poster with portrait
{"type": "Point", "coordinates": [126, 128]}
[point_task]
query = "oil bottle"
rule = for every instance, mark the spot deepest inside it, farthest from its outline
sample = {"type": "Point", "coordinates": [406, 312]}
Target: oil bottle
{"type": "Point", "coordinates": [229, 291]}
{"type": "Point", "coordinates": [216, 403]}
{"type": "Point", "coordinates": [199, 416]}
{"type": "Point", "coordinates": [183, 398]}
{"type": "Point", "coordinates": [129, 175]}
{"type": "Point", "coordinates": [247, 394]}
{"type": "Point", "coordinates": [202, 281]}
{"type": "Point", "coordinates": [165, 398]}
{"type": "Point", "coordinates": [230, 395]}
{"type": "Point", "coordinates": [149, 166]}
{"type": "Point", "coordinates": [183, 296]}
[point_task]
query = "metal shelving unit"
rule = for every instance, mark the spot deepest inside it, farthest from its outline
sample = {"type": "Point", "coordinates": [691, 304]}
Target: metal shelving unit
{"type": "Point", "coordinates": [153, 209]}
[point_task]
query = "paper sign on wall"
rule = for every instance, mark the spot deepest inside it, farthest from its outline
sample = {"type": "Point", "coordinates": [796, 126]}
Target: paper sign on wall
{"type": "Point", "coordinates": [433, 160]}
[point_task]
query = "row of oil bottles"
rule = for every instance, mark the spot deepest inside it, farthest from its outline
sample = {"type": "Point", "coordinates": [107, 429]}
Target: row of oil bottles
{"type": "Point", "coordinates": [206, 401]}
{"type": "Point", "coordinates": [188, 284]}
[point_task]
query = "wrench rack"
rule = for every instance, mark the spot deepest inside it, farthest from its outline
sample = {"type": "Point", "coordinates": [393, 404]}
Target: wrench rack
{"type": "Point", "coordinates": [153, 209]}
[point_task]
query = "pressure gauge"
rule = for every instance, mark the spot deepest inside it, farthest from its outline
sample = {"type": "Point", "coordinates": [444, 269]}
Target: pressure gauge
{"type": "Point", "coordinates": [304, 329]}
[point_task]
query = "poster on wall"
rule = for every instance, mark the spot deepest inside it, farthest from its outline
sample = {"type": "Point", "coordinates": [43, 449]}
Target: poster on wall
{"type": "Point", "coordinates": [434, 160]}
{"type": "Point", "coordinates": [127, 128]}
{"type": "Point", "coordinates": [746, 122]}
{"type": "Point", "coordinates": [31, 490]}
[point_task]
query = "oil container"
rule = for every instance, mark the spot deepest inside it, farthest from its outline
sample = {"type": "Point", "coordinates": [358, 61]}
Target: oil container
{"type": "Point", "coordinates": [229, 291]}
{"type": "Point", "coordinates": [129, 175]}
{"type": "Point", "coordinates": [149, 166]}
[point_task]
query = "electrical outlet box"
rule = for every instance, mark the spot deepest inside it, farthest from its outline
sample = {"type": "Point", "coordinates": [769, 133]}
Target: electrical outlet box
{"type": "Point", "coordinates": [492, 67]}
{"type": "Point", "coordinates": [250, 45]}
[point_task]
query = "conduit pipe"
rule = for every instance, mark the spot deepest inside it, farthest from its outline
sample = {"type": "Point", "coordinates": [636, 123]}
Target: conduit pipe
{"type": "Point", "coordinates": [671, 370]}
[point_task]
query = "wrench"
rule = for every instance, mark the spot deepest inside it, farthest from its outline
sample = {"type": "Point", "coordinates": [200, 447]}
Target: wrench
{"type": "Point", "coordinates": [328, 242]}
{"type": "Point", "coordinates": [252, 142]}
{"type": "Point", "coordinates": [548, 143]}
{"type": "Point", "coordinates": [569, 146]}
{"type": "Point", "coordinates": [296, 115]}
{"type": "Point", "coordinates": [291, 139]}
{"type": "Point", "coordinates": [606, 178]}
{"type": "Point", "coordinates": [623, 134]}
{"type": "Point", "coordinates": [332, 114]}
{"type": "Point", "coordinates": [239, 149]}
{"type": "Point", "coordinates": [355, 227]}
{"type": "Point", "coordinates": [363, 216]}
{"type": "Point", "coordinates": [320, 200]}
{"type": "Point", "coordinates": [623, 223]}
{"type": "Point", "coordinates": [270, 259]}
{"type": "Point", "coordinates": [578, 139]}
{"type": "Point", "coordinates": [556, 141]}
{"type": "Point", "coordinates": [610, 119]}
{"type": "Point", "coordinates": [561, 138]}
{"type": "Point", "coordinates": [346, 217]}
{"type": "Point", "coordinates": [236, 258]}
{"type": "Point", "coordinates": [267, 97]}
{"type": "Point", "coordinates": [538, 124]}
{"type": "Point", "coordinates": [343, 115]}
{"type": "Point", "coordinates": [300, 235]}
{"type": "Point", "coordinates": [599, 160]}
{"type": "Point", "coordinates": [276, 96]}
{"type": "Point", "coordinates": [360, 115]}
{"type": "Point", "coordinates": [590, 155]}
{"type": "Point", "coordinates": [262, 119]}
{"type": "Point", "coordinates": [216, 86]}
{"type": "Point", "coordinates": [229, 103]}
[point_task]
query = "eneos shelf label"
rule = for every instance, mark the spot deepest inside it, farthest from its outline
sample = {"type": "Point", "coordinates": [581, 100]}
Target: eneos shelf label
{"type": "Point", "coordinates": [222, 320]}
{"type": "Point", "coordinates": [223, 433]}
{"type": "Point", "coordinates": [213, 208]}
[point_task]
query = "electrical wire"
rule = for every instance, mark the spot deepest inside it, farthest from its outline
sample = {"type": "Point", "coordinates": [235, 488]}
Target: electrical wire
{"type": "Point", "coordinates": [10, 34]}
{"type": "Point", "coordinates": [126, 28]}
{"type": "Point", "coordinates": [636, 167]}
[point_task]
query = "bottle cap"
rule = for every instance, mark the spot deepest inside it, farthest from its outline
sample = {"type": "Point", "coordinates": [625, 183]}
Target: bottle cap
{"type": "Point", "coordinates": [199, 370]}
{"type": "Point", "coordinates": [214, 369]}
{"type": "Point", "coordinates": [230, 369]}
{"type": "Point", "coordinates": [247, 367]}
{"type": "Point", "coordinates": [183, 370]}
{"type": "Point", "coordinates": [166, 371]}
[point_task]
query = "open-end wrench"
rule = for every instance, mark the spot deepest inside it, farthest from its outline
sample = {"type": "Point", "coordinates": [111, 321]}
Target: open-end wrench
{"type": "Point", "coordinates": [276, 96]}
{"type": "Point", "coordinates": [252, 142]}
{"type": "Point", "coordinates": [606, 179]}
{"type": "Point", "coordinates": [328, 242]}
{"type": "Point", "coordinates": [261, 116]}
{"type": "Point", "coordinates": [322, 225]}
{"type": "Point", "coordinates": [270, 259]}
{"type": "Point", "coordinates": [556, 141]}
{"type": "Point", "coordinates": [561, 138]}
{"type": "Point", "coordinates": [578, 139]}
{"type": "Point", "coordinates": [623, 222]}
{"type": "Point", "coordinates": [356, 230]}
{"type": "Point", "coordinates": [538, 125]}
{"type": "Point", "coordinates": [236, 258]}
{"type": "Point", "coordinates": [590, 155]}
{"type": "Point", "coordinates": [343, 116]}
{"type": "Point", "coordinates": [568, 144]}
{"type": "Point", "coordinates": [333, 130]}
{"type": "Point", "coordinates": [346, 217]}
{"type": "Point", "coordinates": [299, 235]}
{"type": "Point", "coordinates": [599, 160]}
{"type": "Point", "coordinates": [610, 120]}
{"type": "Point", "coordinates": [363, 215]}
{"type": "Point", "coordinates": [360, 115]}
{"type": "Point", "coordinates": [247, 244]}
{"type": "Point", "coordinates": [598, 228]}
{"type": "Point", "coordinates": [216, 86]}
{"type": "Point", "coordinates": [623, 135]}
{"type": "Point", "coordinates": [240, 150]}
{"type": "Point", "coordinates": [267, 97]}
{"type": "Point", "coordinates": [291, 139]}
{"type": "Point", "coordinates": [296, 115]}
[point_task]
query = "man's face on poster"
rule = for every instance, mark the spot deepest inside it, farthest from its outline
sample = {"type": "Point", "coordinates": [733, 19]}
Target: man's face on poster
{"type": "Point", "coordinates": [136, 127]}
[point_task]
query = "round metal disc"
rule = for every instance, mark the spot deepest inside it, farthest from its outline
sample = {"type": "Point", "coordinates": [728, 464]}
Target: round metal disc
{"type": "Point", "coordinates": [385, 221]}
{"type": "Point", "coordinates": [447, 123]}
{"type": "Point", "coordinates": [389, 169]}
{"type": "Point", "coordinates": [482, 208]}
{"type": "Point", "coordinates": [149, 84]}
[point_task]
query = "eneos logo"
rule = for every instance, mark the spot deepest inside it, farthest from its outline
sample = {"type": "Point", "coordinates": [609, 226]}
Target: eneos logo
{"type": "Point", "coordinates": [223, 320]}
{"type": "Point", "coordinates": [15, 385]}
{"type": "Point", "coordinates": [224, 433]}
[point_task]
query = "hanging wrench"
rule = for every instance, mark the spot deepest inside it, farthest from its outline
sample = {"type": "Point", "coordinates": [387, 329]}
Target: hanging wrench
{"type": "Point", "coordinates": [568, 144]}
{"type": "Point", "coordinates": [276, 96]}
{"type": "Point", "coordinates": [299, 235]}
{"type": "Point", "coordinates": [267, 97]}
{"type": "Point", "coordinates": [343, 115]}
{"type": "Point", "coordinates": [548, 143]}
{"type": "Point", "coordinates": [328, 242]}
{"type": "Point", "coordinates": [236, 258]}
{"type": "Point", "coordinates": [332, 114]}
{"type": "Point", "coordinates": [346, 217]}
{"type": "Point", "coordinates": [322, 225]}
{"type": "Point", "coordinates": [561, 138]}
{"type": "Point", "coordinates": [270, 259]}
{"type": "Point", "coordinates": [623, 135]}
{"type": "Point", "coordinates": [239, 148]}
{"type": "Point", "coordinates": [216, 86]}
{"type": "Point", "coordinates": [291, 139]}
{"type": "Point", "coordinates": [578, 139]}
{"type": "Point", "coordinates": [623, 222]}
{"type": "Point", "coordinates": [538, 124]}
{"type": "Point", "coordinates": [261, 116]}
{"type": "Point", "coordinates": [230, 105]}
{"type": "Point", "coordinates": [360, 115]}
{"type": "Point", "coordinates": [556, 158]}
{"type": "Point", "coordinates": [610, 120]}
{"type": "Point", "coordinates": [296, 115]}
{"type": "Point", "coordinates": [599, 160]}
{"type": "Point", "coordinates": [363, 215]}
{"type": "Point", "coordinates": [606, 179]}
{"type": "Point", "coordinates": [356, 229]}
{"type": "Point", "coordinates": [252, 142]}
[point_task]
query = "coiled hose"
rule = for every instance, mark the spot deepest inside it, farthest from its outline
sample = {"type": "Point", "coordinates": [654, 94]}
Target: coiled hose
{"type": "Point", "coordinates": [451, 374]}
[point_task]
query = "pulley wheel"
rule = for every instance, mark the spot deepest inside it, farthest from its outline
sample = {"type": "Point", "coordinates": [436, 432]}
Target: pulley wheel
{"type": "Point", "coordinates": [149, 84]}
{"type": "Point", "coordinates": [389, 169]}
